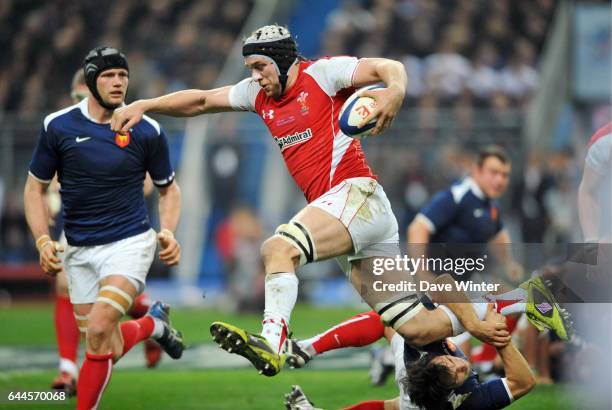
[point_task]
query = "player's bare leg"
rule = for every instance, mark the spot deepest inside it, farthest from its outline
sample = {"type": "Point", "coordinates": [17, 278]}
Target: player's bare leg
{"type": "Point", "coordinates": [107, 340]}
{"type": "Point", "coordinates": [312, 234]}
{"type": "Point", "coordinates": [418, 326]}
{"type": "Point", "coordinates": [281, 256]}
{"type": "Point", "coordinates": [68, 337]}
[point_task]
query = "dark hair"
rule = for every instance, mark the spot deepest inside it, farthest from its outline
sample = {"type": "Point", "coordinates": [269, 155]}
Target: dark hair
{"type": "Point", "coordinates": [492, 151]}
{"type": "Point", "coordinates": [428, 383]}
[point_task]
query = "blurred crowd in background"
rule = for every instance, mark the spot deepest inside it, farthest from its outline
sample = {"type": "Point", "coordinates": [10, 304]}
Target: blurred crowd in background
{"type": "Point", "coordinates": [171, 45]}
{"type": "Point", "coordinates": [481, 53]}
{"type": "Point", "coordinates": [459, 55]}
{"type": "Point", "coordinates": [475, 53]}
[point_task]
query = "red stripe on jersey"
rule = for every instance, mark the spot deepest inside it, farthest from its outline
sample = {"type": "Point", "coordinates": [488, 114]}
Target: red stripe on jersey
{"type": "Point", "coordinates": [602, 132]}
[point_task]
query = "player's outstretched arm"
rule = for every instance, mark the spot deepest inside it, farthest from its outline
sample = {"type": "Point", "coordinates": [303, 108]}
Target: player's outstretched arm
{"type": "Point", "coordinates": [169, 214]}
{"type": "Point", "coordinates": [388, 100]}
{"type": "Point", "coordinates": [185, 103]}
{"type": "Point", "coordinates": [519, 377]}
{"type": "Point", "coordinates": [37, 217]}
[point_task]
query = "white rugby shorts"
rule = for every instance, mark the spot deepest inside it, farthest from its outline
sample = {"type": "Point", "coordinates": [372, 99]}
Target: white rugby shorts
{"type": "Point", "coordinates": [362, 206]}
{"type": "Point", "coordinates": [85, 266]}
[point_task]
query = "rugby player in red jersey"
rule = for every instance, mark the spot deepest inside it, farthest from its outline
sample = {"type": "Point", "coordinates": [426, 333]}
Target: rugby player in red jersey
{"type": "Point", "coordinates": [348, 216]}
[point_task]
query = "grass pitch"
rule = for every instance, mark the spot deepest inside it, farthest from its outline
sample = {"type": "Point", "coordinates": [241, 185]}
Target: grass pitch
{"type": "Point", "coordinates": [237, 389]}
{"type": "Point", "coordinates": [217, 389]}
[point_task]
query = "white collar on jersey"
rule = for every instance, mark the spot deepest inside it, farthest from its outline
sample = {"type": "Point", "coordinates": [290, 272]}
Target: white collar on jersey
{"type": "Point", "coordinates": [85, 111]}
{"type": "Point", "coordinates": [476, 190]}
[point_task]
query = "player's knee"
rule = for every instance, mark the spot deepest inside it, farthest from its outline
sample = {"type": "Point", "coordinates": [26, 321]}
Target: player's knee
{"type": "Point", "coordinates": [404, 315]}
{"type": "Point", "coordinates": [113, 300]}
{"type": "Point", "coordinates": [421, 329]}
{"type": "Point", "coordinates": [275, 248]}
{"type": "Point", "coordinates": [99, 330]}
{"type": "Point", "coordinates": [291, 240]}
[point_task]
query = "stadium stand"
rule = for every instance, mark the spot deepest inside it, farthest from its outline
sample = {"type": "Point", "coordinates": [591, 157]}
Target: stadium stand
{"type": "Point", "coordinates": [47, 40]}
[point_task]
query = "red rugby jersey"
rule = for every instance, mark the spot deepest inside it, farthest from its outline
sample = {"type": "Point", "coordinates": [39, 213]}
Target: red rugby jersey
{"type": "Point", "coordinates": [304, 124]}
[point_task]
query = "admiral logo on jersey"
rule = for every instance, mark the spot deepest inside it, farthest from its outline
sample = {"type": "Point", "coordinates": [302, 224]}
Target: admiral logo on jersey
{"type": "Point", "coordinates": [294, 139]}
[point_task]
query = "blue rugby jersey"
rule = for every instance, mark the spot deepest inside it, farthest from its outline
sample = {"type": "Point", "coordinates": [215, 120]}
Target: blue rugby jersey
{"type": "Point", "coordinates": [471, 395]}
{"type": "Point", "coordinates": [462, 214]}
{"type": "Point", "coordinates": [101, 173]}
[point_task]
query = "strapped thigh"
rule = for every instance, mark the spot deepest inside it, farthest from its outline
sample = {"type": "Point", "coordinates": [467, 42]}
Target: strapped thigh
{"type": "Point", "coordinates": [117, 298]}
{"type": "Point", "coordinates": [395, 314]}
{"type": "Point", "coordinates": [299, 236]}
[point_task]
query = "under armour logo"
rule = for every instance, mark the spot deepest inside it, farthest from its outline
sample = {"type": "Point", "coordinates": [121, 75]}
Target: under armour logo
{"type": "Point", "coordinates": [267, 115]}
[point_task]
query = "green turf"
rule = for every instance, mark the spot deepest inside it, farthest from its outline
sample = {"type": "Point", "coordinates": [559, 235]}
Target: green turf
{"type": "Point", "coordinates": [238, 389]}
{"type": "Point", "coordinates": [32, 325]}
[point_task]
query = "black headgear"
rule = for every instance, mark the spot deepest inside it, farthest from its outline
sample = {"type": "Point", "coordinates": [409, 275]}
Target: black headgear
{"type": "Point", "coordinates": [276, 43]}
{"type": "Point", "coordinates": [98, 60]}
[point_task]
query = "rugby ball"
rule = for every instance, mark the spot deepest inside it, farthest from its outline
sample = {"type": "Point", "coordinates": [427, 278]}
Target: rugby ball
{"type": "Point", "coordinates": [354, 110]}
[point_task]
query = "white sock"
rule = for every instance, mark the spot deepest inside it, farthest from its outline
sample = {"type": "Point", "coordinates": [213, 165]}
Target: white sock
{"type": "Point", "coordinates": [68, 366]}
{"type": "Point", "coordinates": [281, 293]}
{"type": "Point", "coordinates": [518, 296]}
{"type": "Point", "coordinates": [307, 345]}
{"type": "Point", "coordinates": [519, 307]}
{"type": "Point", "coordinates": [158, 328]}
{"type": "Point", "coordinates": [480, 307]}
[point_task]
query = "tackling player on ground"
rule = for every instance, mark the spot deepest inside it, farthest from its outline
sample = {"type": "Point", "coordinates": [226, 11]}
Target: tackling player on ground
{"type": "Point", "coordinates": [348, 215]}
{"type": "Point", "coordinates": [439, 377]}
{"type": "Point", "coordinates": [436, 376]}
{"type": "Point", "coordinates": [110, 244]}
